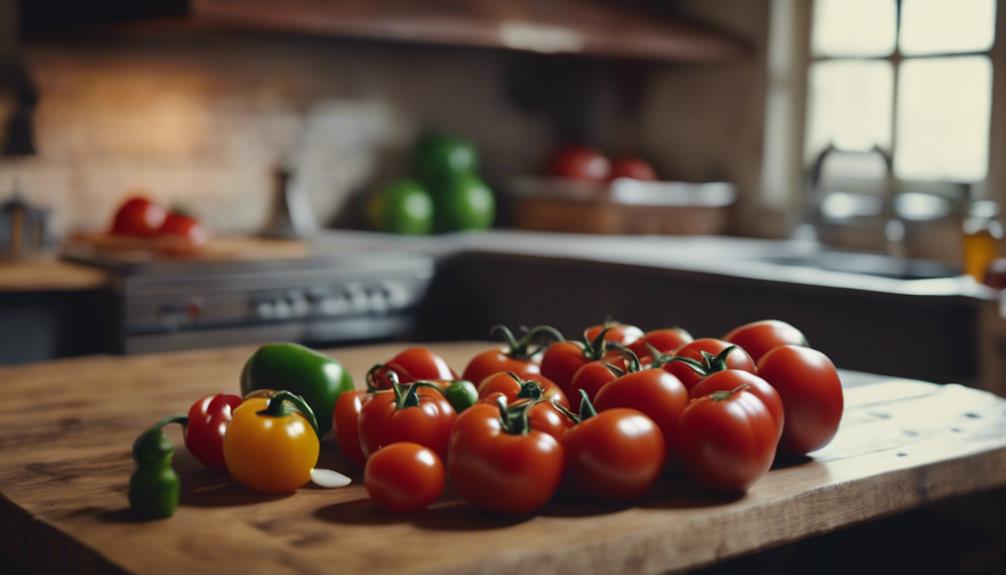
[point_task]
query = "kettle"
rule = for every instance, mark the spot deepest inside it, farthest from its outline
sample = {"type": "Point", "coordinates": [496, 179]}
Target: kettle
{"type": "Point", "coordinates": [23, 228]}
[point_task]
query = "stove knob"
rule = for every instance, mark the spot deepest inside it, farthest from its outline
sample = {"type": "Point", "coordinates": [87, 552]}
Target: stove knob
{"type": "Point", "coordinates": [397, 294]}
{"type": "Point", "coordinates": [264, 309]}
{"type": "Point", "coordinates": [281, 309]}
{"type": "Point", "coordinates": [377, 301]}
{"type": "Point", "coordinates": [359, 302]}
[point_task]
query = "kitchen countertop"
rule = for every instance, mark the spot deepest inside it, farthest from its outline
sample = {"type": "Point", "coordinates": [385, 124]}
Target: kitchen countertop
{"type": "Point", "coordinates": [49, 275]}
{"type": "Point", "coordinates": [66, 427]}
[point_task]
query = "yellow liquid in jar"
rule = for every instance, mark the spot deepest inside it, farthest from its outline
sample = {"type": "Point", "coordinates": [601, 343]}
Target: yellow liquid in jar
{"type": "Point", "coordinates": [980, 249]}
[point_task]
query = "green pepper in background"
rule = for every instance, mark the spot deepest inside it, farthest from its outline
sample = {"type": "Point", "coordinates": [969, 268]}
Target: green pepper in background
{"type": "Point", "coordinates": [154, 485]}
{"type": "Point", "coordinates": [316, 377]}
{"type": "Point", "coordinates": [439, 158]}
{"type": "Point", "coordinates": [402, 207]}
{"type": "Point", "coordinates": [461, 394]}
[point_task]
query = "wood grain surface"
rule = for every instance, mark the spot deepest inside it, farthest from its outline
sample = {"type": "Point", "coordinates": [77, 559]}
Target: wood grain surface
{"type": "Point", "coordinates": [66, 428]}
{"type": "Point", "coordinates": [48, 275]}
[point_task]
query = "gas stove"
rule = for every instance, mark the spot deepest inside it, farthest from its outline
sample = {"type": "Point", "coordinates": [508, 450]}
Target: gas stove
{"type": "Point", "coordinates": [321, 300]}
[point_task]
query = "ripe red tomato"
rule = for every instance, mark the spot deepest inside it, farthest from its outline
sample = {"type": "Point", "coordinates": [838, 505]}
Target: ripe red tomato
{"type": "Point", "coordinates": [412, 364]}
{"type": "Point", "coordinates": [404, 477]}
{"type": "Point", "coordinates": [653, 392]}
{"type": "Point", "coordinates": [345, 416]}
{"type": "Point", "coordinates": [418, 414]}
{"type": "Point", "coordinates": [563, 358]}
{"type": "Point", "coordinates": [533, 387]}
{"type": "Point", "coordinates": [542, 416]}
{"type": "Point", "coordinates": [731, 379]}
{"type": "Point", "coordinates": [634, 168]}
{"type": "Point", "coordinates": [204, 432]}
{"type": "Point", "coordinates": [497, 360]}
{"type": "Point", "coordinates": [590, 378]}
{"type": "Point", "coordinates": [726, 441]}
{"type": "Point", "coordinates": [620, 333]}
{"type": "Point", "coordinates": [737, 359]}
{"type": "Point", "coordinates": [185, 227]}
{"type": "Point", "coordinates": [811, 393]}
{"type": "Point", "coordinates": [579, 163]}
{"type": "Point", "coordinates": [615, 455]}
{"type": "Point", "coordinates": [666, 340]}
{"type": "Point", "coordinates": [760, 337]}
{"type": "Point", "coordinates": [138, 216]}
{"type": "Point", "coordinates": [498, 465]}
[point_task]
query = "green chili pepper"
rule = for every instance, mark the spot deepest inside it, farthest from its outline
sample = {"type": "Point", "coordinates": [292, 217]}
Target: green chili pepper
{"type": "Point", "coordinates": [461, 394]}
{"type": "Point", "coordinates": [154, 485]}
{"type": "Point", "coordinates": [316, 377]}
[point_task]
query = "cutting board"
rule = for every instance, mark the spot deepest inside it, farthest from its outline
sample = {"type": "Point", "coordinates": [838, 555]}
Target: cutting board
{"type": "Point", "coordinates": [217, 248]}
{"type": "Point", "coordinates": [66, 428]}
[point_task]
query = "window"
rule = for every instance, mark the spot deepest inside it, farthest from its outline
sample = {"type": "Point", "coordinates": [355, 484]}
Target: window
{"type": "Point", "coordinates": [913, 77]}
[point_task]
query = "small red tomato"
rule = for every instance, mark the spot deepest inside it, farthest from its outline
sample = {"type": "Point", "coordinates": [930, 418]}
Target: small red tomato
{"type": "Point", "coordinates": [620, 333]}
{"type": "Point", "coordinates": [579, 163]}
{"type": "Point", "coordinates": [811, 393]}
{"type": "Point", "coordinates": [563, 358]}
{"type": "Point", "coordinates": [542, 416]}
{"type": "Point", "coordinates": [412, 364]}
{"type": "Point", "coordinates": [726, 440]}
{"type": "Point", "coordinates": [138, 216]}
{"type": "Point", "coordinates": [737, 359]}
{"type": "Point", "coordinates": [760, 337]}
{"type": "Point", "coordinates": [634, 168]}
{"type": "Point", "coordinates": [515, 357]}
{"type": "Point", "coordinates": [411, 413]}
{"type": "Point", "coordinates": [732, 379]}
{"type": "Point", "coordinates": [614, 455]}
{"type": "Point", "coordinates": [653, 392]}
{"type": "Point", "coordinates": [533, 387]}
{"type": "Point", "coordinates": [666, 340]}
{"type": "Point", "coordinates": [204, 432]}
{"type": "Point", "coordinates": [184, 227]}
{"type": "Point", "coordinates": [500, 464]}
{"type": "Point", "coordinates": [345, 416]}
{"type": "Point", "coordinates": [590, 378]}
{"type": "Point", "coordinates": [404, 477]}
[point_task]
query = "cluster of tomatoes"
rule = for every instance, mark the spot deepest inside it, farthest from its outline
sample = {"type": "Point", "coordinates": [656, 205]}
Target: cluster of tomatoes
{"type": "Point", "coordinates": [577, 162]}
{"type": "Point", "coordinates": [603, 417]}
{"type": "Point", "coordinates": [140, 217]}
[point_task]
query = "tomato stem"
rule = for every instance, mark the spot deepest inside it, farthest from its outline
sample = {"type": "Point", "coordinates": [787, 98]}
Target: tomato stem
{"type": "Point", "coordinates": [594, 350]}
{"type": "Point", "coordinates": [529, 388]}
{"type": "Point", "coordinates": [278, 407]}
{"type": "Point", "coordinates": [372, 375]}
{"type": "Point", "coordinates": [587, 409]}
{"type": "Point", "coordinates": [632, 364]}
{"type": "Point", "coordinates": [513, 418]}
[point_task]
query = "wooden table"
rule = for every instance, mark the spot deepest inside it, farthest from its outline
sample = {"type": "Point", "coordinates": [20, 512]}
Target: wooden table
{"type": "Point", "coordinates": [66, 428]}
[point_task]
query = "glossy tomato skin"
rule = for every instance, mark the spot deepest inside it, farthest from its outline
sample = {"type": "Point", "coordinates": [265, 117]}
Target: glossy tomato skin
{"type": "Point", "coordinates": [138, 216]}
{"type": "Point", "coordinates": [738, 359]}
{"type": "Point", "coordinates": [579, 163]}
{"type": "Point", "coordinates": [561, 360]}
{"type": "Point", "coordinates": [404, 477]}
{"type": "Point", "coordinates": [590, 378]}
{"type": "Point", "coordinates": [731, 379]}
{"type": "Point", "coordinates": [542, 416]}
{"type": "Point", "coordinates": [345, 426]}
{"type": "Point", "coordinates": [413, 364]}
{"type": "Point", "coordinates": [653, 392]}
{"type": "Point", "coordinates": [760, 337]}
{"type": "Point", "coordinates": [184, 227]}
{"type": "Point", "coordinates": [266, 453]}
{"type": "Point", "coordinates": [634, 168]}
{"type": "Point", "coordinates": [726, 444]}
{"type": "Point", "coordinates": [207, 424]}
{"type": "Point", "coordinates": [503, 383]}
{"type": "Point", "coordinates": [620, 333]}
{"type": "Point", "coordinates": [615, 455]}
{"type": "Point", "coordinates": [496, 360]}
{"type": "Point", "coordinates": [501, 472]}
{"type": "Point", "coordinates": [428, 424]}
{"type": "Point", "coordinates": [667, 340]}
{"type": "Point", "coordinates": [811, 393]}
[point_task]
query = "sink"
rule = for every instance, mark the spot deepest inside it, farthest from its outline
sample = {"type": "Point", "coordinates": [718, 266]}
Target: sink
{"type": "Point", "coordinates": [868, 264]}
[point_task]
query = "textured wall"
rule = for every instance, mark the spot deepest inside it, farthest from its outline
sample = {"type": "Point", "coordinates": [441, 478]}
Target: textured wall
{"type": "Point", "coordinates": [199, 118]}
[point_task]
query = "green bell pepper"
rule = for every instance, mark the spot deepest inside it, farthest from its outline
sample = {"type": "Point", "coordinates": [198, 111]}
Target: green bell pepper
{"type": "Point", "coordinates": [316, 377]}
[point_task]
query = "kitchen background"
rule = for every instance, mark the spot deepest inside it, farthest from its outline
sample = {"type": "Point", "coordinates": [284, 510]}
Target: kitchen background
{"type": "Point", "coordinates": [866, 125]}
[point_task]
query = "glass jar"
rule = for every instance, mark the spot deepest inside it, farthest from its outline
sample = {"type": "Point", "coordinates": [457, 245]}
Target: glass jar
{"type": "Point", "coordinates": [982, 234]}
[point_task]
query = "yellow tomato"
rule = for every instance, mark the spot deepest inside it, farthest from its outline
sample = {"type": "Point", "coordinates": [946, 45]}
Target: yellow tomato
{"type": "Point", "coordinates": [273, 451]}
